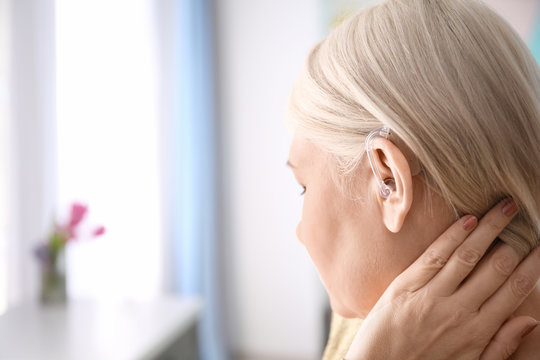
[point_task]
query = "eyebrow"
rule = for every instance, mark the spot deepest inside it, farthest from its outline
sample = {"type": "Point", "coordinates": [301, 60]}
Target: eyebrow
{"type": "Point", "coordinates": [290, 165]}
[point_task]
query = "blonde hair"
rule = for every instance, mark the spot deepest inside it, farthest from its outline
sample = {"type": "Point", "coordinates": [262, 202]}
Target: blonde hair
{"type": "Point", "coordinates": [453, 81]}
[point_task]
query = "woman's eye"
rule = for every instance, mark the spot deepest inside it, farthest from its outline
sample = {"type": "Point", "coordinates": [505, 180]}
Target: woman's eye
{"type": "Point", "coordinates": [303, 190]}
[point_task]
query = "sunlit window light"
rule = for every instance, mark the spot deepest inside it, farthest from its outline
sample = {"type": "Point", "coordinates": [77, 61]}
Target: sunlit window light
{"type": "Point", "coordinates": [108, 139]}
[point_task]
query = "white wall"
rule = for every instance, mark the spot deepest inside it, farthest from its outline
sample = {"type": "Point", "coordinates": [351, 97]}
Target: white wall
{"type": "Point", "coordinates": [275, 299]}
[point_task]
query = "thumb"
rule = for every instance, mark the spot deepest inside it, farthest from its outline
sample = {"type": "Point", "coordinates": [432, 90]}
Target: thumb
{"type": "Point", "coordinates": [508, 338]}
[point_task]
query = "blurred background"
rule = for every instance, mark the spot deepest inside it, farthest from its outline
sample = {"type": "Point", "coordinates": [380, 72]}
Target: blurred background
{"type": "Point", "coordinates": [166, 118]}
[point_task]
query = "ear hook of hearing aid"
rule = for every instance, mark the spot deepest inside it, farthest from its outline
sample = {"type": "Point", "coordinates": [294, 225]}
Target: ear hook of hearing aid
{"type": "Point", "coordinates": [382, 132]}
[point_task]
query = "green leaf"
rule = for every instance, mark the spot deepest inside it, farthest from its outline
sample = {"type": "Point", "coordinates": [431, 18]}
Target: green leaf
{"type": "Point", "coordinates": [57, 243]}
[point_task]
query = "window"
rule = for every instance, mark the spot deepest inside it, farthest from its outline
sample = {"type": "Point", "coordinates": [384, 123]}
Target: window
{"type": "Point", "coordinates": [108, 144]}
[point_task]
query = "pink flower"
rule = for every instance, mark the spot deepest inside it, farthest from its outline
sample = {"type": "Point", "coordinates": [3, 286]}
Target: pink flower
{"type": "Point", "coordinates": [70, 232]}
{"type": "Point", "coordinates": [99, 231]}
{"type": "Point", "coordinates": [78, 211]}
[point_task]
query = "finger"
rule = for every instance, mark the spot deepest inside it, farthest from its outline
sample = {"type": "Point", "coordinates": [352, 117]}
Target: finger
{"type": "Point", "coordinates": [512, 293]}
{"type": "Point", "coordinates": [467, 255]}
{"type": "Point", "coordinates": [436, 256]}
{"type": "Point", "coordinates": [508, 338]}
{"type": "Point", "coordinates": [490, 274]}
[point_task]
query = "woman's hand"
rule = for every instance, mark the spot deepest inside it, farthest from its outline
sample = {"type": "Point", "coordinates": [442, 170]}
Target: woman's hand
{"type": "Point", "coordinates": [449, 304]}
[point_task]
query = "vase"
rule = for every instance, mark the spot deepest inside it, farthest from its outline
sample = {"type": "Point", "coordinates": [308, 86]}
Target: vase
{"type": "Point", "coordinates": [53, 284]}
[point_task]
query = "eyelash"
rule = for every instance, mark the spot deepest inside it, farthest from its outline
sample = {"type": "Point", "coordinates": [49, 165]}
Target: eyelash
{"type": "Point", "coordinates": [303, 191]}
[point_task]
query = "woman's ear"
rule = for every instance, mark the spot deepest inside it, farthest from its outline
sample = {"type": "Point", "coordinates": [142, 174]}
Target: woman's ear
{"type": "Point", "coordinates": [395, 171]}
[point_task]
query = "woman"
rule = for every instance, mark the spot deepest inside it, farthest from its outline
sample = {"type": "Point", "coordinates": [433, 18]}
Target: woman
{"type": "Point", "coordinates": [443, 97]}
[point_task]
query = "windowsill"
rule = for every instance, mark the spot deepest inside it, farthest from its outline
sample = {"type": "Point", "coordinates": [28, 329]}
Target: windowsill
{"type": "Point", "coordinates": [87, 330]}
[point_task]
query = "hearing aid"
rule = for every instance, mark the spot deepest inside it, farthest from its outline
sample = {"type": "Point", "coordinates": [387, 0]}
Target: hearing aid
{"type": "Point", "coordinates": [386, 186]}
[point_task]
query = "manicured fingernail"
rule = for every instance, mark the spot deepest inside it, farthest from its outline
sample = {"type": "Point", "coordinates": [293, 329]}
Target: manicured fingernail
{"type": "Point", "coordinates": [510, 208]}
{"type": "Point", "coordinates": [529, 329]}
{"type": "Point", "coordinates": [469, 222]}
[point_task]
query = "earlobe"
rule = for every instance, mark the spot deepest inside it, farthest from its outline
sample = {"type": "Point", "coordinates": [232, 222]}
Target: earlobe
{"type": "Point", "coordinates": [395, 173]}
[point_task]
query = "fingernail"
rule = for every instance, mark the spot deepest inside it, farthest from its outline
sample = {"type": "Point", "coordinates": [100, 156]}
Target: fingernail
{"type": "Point", "coordinates": [510, 208]}
{"type": "Point", "coordinates": [529, 329]}
{"type": "Point", "coordinates": [469, 222]}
